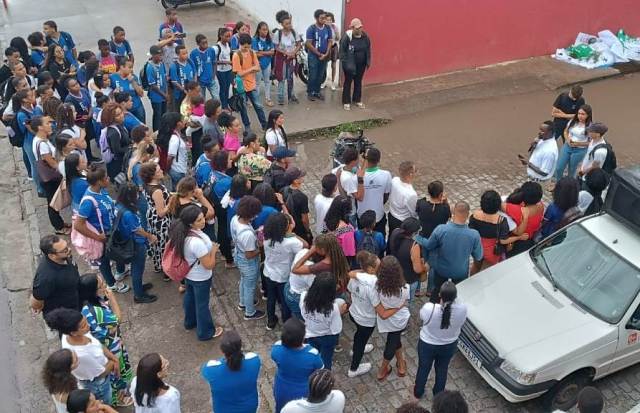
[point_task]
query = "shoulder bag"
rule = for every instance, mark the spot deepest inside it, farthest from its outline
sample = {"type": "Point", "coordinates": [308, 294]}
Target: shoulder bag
{"type": "Point", "coordinates": [45, 171]}
{"type": "Point", "coordinates": [119, 249]}
{"type": "Point", "coordinates": [88, 248]}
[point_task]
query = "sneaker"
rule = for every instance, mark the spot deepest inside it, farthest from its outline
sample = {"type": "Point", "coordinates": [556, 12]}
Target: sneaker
{"type": "Point", "coordinates": [294, 99]}
{"type": "Point", "coordinates": [272, 324]}
{"type": "Point", "coordinates": [241, 307]}
{"type": "Point", "coordinates": [346, 106]}
{"type": "Point", "coordinates": [360, 105]}
{"type": "Point", "coordinates": [338, 349]}
{"type": "Point", "coordinates": [230, 265]}
{"type": "Point", "coordinates": [368, 348]}
{"type": "Point", "coordinates": [119, 287]}
{"type": "Point", "coordinates": [256, 316]}
{"type": "Point", "coordinates": [320, 96]}
{"type": "Point", "coordinates": [119, 276]}
{"type": "Point", "coordinates": [333, 86]}
{"type": "Point", "coordinates": [363, 368]}
{"type": "Point", "coordinates": [322, 86]}
{"type": "Point", "coordinates": [145, 299]}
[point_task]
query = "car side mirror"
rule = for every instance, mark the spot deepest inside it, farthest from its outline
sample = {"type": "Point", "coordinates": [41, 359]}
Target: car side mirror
{"type": "Point", "coordinates": [633, 324]}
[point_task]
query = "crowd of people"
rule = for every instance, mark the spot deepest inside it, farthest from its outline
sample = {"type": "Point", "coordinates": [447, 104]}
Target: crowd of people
{"type": "Point", "coordinates": [200, 185]}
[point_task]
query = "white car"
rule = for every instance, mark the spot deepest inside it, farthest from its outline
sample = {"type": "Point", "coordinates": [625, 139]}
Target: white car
{"type": "Point", "coordinates": [548, 321]}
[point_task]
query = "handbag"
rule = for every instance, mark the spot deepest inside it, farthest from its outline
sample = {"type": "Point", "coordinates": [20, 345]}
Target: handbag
{"type": "Point", "coordinates": [61, 199]}
{"type": "Point", "coordinates": [119, 249]}
{"type": "Point", "coordinates": [499, 249]}
{"type": "Point", "coordinates": [88, 248]}
{"type": "Point", "coordinates": [45, 172]}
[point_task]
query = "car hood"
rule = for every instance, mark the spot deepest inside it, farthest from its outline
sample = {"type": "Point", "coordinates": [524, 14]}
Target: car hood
{"type": "Point", "coordinates": [517, 310]}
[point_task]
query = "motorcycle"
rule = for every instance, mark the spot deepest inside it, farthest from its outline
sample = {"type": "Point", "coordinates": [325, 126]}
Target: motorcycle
{"type": "Point", "coordinates": [172, 4]}
{"type": "Point", "coordinates": [302, 65]}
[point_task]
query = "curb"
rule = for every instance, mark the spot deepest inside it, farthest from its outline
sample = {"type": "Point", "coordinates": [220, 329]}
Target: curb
{"type": "Point", "coordinates": [622, 68]}
{"type": "Point", "coordinates": [334, 131]}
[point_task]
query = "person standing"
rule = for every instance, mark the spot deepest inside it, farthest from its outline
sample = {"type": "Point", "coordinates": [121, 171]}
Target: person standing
{"type": "Point", "coordinates": [355, 58]}
{"type": "Point", "coordinates": [57, 377]}
{"type": "Point", "coordinates": [295, 362]}
{"type": "Point", "coordinates": [157, 80]}
{"type": "Point", "coordinates": [125, 81]}
{"type": "Point", "coordinates": [62, 39]}
{"type": "Point", "coordinates": [576, 140]}
{"type": "Point", "coordinates": [233, 379]}
{"type": "Point", "coordinates": [150, 393]}
{"type": "Point", "coordinates": [597, 151]}
{"type": "Point", "coordinates": [403, 197]}
{"type": "Point", "coordinates": [204, 60]}
{"type": "Point", "coordinates": [182, 72]}
{"type": "Point", "coordinates": [323, 200]}
{"type": "Point", "coordinates": [453, 242]}
{"type": "Point", "coordinates": [319, 41]}
{"type": "Point", "coordinates": [409, 254]}
{"type": "Point", "coordinates": [377, 187]}
{"type": "Point", "coordinates": [322, 397]}
{"type": "Point", "coordinates": [330, 20]}
{"type": "Point", "coordinates": [224, 71]}
{"type": "Point", "coordinates": [120, 45]}
{"type": "Point", "coordinates": [564, 109]}
{"type": "Point", "coordinates": [287, 45]}
{"type": "Point", "coordinates": [157, 217]}
{"type": "Point", "coordinates": [297, 202]}
{"type": "Point", "coordinates": [433, 211]}
{"type": "Point", "coordinates": [263, 46]}
{"type": "Point", "coordinates": [544, 154]}
{"type": "Point", "coordinates": [171, 23]}
{"type": "Point", "coordinates": [55, 284]}
{"type": "Point", "coordinates": [117, 137]}
{"type": "Point", "coordinates": [441, 325]}
{"type": "Point", "coordinates": [245, 65]}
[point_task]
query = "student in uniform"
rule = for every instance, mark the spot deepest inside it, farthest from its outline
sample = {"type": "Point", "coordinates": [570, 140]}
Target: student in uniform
{"type": "Point", "coordinates": [119, 45]}
{"type": "Point", "coordinates": [157, 80]}
{"type": "Point", "coordinates": [182, 72]}
{"type": "Point", "coordinates": [125, 81]}
{"type": "Point", "coordinates": [204, 60]}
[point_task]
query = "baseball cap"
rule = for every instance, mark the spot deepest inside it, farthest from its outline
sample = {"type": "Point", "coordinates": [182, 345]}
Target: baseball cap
{"type": "Point", "coordinates": [598, 127]}
{"type": "Point", "coordinates": [155, 50]}
{"type": "Point", "coordinates": [282, 152]}
{"type": "Point", "coordinates": [293, 173]}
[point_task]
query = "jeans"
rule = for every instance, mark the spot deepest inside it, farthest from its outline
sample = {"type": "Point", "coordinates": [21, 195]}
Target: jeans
{"type": "Point", "coordinates": [105, 270]}
{"type": "Point", "coordinates": [50, 189]}
{"type": "Point", "coordinates": [275, 292]}
{"type": "Point", "coordinates": [100, 387]}
{"type": "Point", "coordinates": [175, 177]}
{"type": "Point", "coordinates": [360, 339]}
{"type": "Point", "coordinates": [137, 268]}
{"type": "Point", "coordinates": [159, 109]}
{"type": "Point", "coordinates": [249, 274]}
{"type": "Point", "coordinates": [288, 78]}
{"type": "Point", "coordinates": [356, 78]}
{"type": "Point", "coordinates": [139, 113]}
{"type": "Point", "coordinates": [437, 355]}
{"type": "Point", "coordinates": [413, 288]}
{"type": "Point", "coordinates": [293, 301]}
{"type": "Point", "coordinates": [223, 233]}
{"type": "Point", "coordinates": [196, 308]}
{"type": "Point", "coordinates": [393, 344]}
{"type": "Point", "coordinates": [393, 224]}
{"type": "Point", "coordinates": [264, 77]}
{"type": "Point", "coordinates": [29, 159]}
{"type": "Point", "coordinates": [213, 89]}
{"type": "Point", "coordinates": [224, 80]}
{"type": "Point", "coordinates": [571, 156]}
{"type": "Point", "coordinates": [317, 74]}
{"type": "Point", "coordinates": [254, 97]}
{"type": "Point", "coordinates": [325, 345]}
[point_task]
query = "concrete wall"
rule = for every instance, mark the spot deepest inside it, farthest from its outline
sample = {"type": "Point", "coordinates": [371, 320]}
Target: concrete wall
{"type": "Point", "coordinates": [414, 38]}
{"type": "Point", "coordinates": [301, 10]}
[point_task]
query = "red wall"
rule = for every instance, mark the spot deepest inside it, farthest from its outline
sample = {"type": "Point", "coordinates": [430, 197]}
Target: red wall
{"type": "Point", "coordinates": [414, 38]}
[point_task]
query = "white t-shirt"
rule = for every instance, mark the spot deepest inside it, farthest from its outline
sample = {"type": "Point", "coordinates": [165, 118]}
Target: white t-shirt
{"type": "Point", "coordinates": [279, 258]}
{"type": "Point", "coordinates": [321, 204]}
{"type": "Point", "coordinates": [196, 247]}
{"type": "Point", "coordinates": [178, 149]}
{"type": "Point", "coordinates": [544, 156]}
{"type": "Point", "coordinates": [274, 137]}
{"type": "Point", "coordinates": [300, 283]}
{"type": "Point", "coordinates": [45, 147]}
{"type": "Point", "coordinates": [584, 200]}
{"type": "Point", "coordinates": [376, 184]}
{"type": "Point", "coordinates": [598, 156]}
{"type": "Point", "coordinates": [431, 333]}
{"type": "Point", "coordinates": [285, 42]}
{"type": "Point", "coordinates": [363, 295]}
{"type": "Point", "coordinates": [243, 235]}
{"type": "Point", "coordinates": [402, 200]}
{"type": "Point", "coordinates": [225, 55]}
{"type": "Point", "coordinates": [91, 358]}
{"type": "Point", "coordinates": [399, 320]}
{"type": "Point", "coordinates": [577, 133]}
{"type": "Point", "coordinates": [318, 324]}
{"type": "Point", "coordinates": [169, 402]}
{"type": "Point", "coordinates": [349, 183]}
{"type": "Point", "coordinates": [334, 403]}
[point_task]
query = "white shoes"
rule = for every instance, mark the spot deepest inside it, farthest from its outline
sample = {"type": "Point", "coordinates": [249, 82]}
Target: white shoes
{"type": "Point", "coordinates": [346, 106]}
{"type": "Point", "coordinates": [360, 105]}
{"type": "Point", "coordinates": [363, 368]}
{"type": "Point", "coordinates": [368, 348]}
{"type": "Point", "coordinates": [333, 86]}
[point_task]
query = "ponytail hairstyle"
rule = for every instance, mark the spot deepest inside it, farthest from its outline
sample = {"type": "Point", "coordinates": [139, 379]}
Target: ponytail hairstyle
{"type": "Point", "coordinates": [71, 163]}
{"type": "Point", "coordinates": [65, 116]}
{"type": "Point", "coordinates": [367, 261]}
{"type": "Point", "coordinates": [226, 119]}
{"type": "Point", "coordinates": [17, 98]}
{"type": "Point", "coordinates": [62, 140]}
{"type": "Point", "coordinates": [321, 383]}
{"type": "Point", "coordinates": [221, 32]}
{"type": "Point", "coordinates": [448, 294]}
{"type": "Point", "coordinates": [231, 347]}
{"type": "Point", "coordinates": [184, 187]}
{"type": "Point", "coordinates": [180, 227]}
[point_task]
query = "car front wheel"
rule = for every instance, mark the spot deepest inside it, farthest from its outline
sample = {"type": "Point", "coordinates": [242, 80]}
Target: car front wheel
{"type": "Point", "coordinates": [564, 394]}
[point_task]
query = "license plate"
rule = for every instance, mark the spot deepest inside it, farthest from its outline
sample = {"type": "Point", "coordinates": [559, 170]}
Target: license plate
{"type": "Point", "coordinates": [468, 353]}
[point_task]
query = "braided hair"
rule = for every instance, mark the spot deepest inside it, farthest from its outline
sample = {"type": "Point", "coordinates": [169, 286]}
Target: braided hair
{"type": "Point", "coordinates": [320, 385]}
{"type": "Point", "coordinates": [448, 294]}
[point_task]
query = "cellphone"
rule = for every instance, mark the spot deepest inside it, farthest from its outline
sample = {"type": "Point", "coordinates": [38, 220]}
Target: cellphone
{"type": "Point", "coordinates": [181, 35]}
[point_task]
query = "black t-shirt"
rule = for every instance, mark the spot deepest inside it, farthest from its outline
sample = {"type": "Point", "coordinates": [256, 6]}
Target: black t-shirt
{"type": "Point", "coordinates": [431, 215]}
{"type": "Point", "coordinates": [567, 105]}
{"type": "Point", "coordinates": [297, 204]}
{"type": "Point", "coordinates": [56, 285]}
{"type": "Point", "coordinates": [360, 46]}
{"type": "Point", "coordinates": [489, 230]}
{"type": "Point", "coordinates": [400, 247]}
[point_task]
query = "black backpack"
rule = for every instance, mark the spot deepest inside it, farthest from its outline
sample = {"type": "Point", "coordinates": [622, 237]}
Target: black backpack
{"type": "Point", "coordinates": [144, 82]}
{"type": "Point", "coordinates": [274, 178]}
{"type": "Point", "coordinates": [16, 136]}
{"type": "Point", "coordinates": [610, 161]}
{"type": "Point", "coordinates": [368, 243]}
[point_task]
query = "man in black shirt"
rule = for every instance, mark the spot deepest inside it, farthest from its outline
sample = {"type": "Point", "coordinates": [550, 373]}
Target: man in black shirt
{"type": "Point", "coordinates": [564, 109]}
{"type": "Point", "coordinates": [282, 157]}
{"type": "Point", "coordinates": [55, 284]}
{"type": "Point", "coordinates": [297, 203]}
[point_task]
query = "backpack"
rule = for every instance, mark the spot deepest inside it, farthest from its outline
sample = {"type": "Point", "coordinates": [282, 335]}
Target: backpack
{"type": "Point", "coordinates": [16, 135]}
{"type": "Point", "coordinates": [144, 82]}
{"type": "Point", "coordinates": [271, 176]}
{"type": "Point", "coordinates": [368, 243]}
{"type": "Point", "coordinates": [293, 32]}
{"type": "Point", "coordinates": [175, 267]}
{"type": "Point", "coordinates": [105, 149]}
{"type": "Point", "coordinates": [610, 161]}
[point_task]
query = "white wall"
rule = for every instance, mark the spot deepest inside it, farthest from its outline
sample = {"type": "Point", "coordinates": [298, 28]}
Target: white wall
{"type": "Point", "coordinates": [301, 11]}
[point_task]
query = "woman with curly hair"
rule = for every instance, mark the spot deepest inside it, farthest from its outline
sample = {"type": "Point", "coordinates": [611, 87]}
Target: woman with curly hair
{"type": "Point", "coordinates": [57, 377]}
{"type": "Point", "coordinates": [158, 219]}
{"type": "Point", "coordinates": [392, 313]}
{"type": "Point", "coordinates": [322, 314]}
{"type": "Point", "coordinates": [337, 222]}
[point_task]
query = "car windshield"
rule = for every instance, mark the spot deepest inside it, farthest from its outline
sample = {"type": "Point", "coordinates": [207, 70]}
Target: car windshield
{"type": "Point", "coordinates": [587, 271]}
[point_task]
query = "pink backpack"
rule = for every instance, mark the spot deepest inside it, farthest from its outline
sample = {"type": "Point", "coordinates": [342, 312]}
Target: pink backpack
{"type": "Point", "coordinates": [174, 266]}
{"type": "Point", "coordinates": [88, 248]}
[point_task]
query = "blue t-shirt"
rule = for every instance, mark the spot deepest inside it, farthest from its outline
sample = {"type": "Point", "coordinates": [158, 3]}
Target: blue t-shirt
{"type": "Point", "coordinates": [130, 122]}
{"type": "Point", "coordinates": [320, 37]}
{"type": "Point", "coordinates": [265, 213]}
{"type": "Point", "coordinates": [203, 171]}
{"type": "Point", "coordinates": [38, 57]}
{"type": "Point", "coordinates": [294, 368]}
{"type": "Point", "coordinates": [181, 73]}
{"type": "Point", "coordinates": [262, 45]}
{"type": "Point", "coordinates": [97, 126]}
{"type": "Point", "coordinates": [78, 188]}
{"type": "Point", "coordinates": [381, 244]}
{"type": "Point", "coordinates": [124, 85]}
{"type": "Point", "coordinates": [204, 63]}
{"type": "Point", "coordinates": [129, 224]}
{"type": "Point", "coordinates": [22, 117]}
{"type": "Point", "coordinates": [552, 217]}
{"type": "Point", "coordinates": [453, 244]}
{"type": "Point", "coordinates": [135, 175]}
{"type": "Point", "coordinates": [66, 42]}
{"type": "Point", "coordinates": [234, 43]}
{"type": "Point", "coordinates": [121, 49]}
{"type": "Point", "coordinates": [156, 76]}
{"type": "Point", "coordinates": [221, 183]}
{"type": "Point", "coordinates": [81, 103]}
{"type": "Point", "coordinates": [233, 391]}
{"type": "Point", "coordinates": [176, 28]}
{"type": "Point", "coordinates": [87, 210]}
